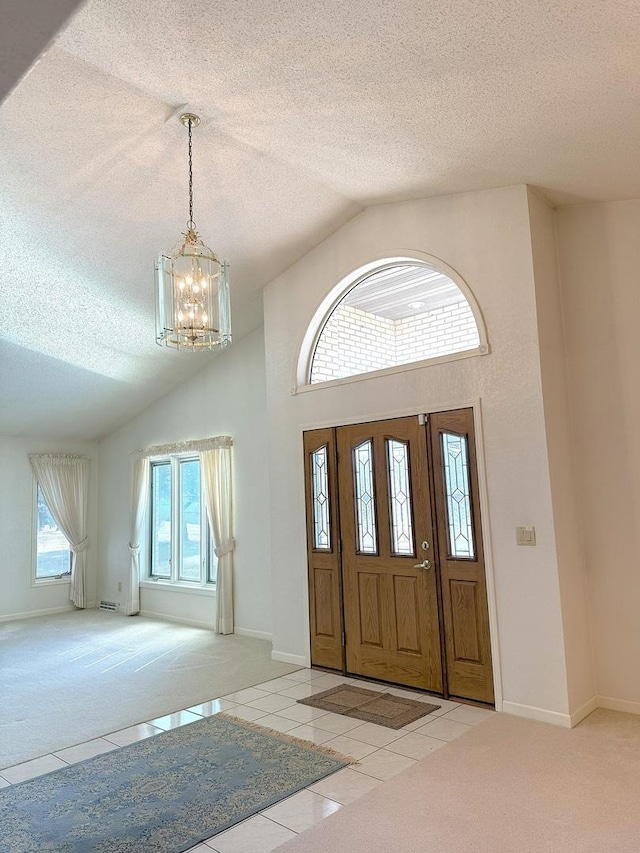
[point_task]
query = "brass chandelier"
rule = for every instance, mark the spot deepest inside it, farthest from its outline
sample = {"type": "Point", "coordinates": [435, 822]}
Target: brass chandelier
{"type": "Point", "coordinates": [192, 287]}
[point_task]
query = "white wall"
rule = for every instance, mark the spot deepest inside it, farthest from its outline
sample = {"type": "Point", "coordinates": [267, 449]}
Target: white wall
{"type": "Point", "coordinates": [226, 398]}
{"type": "Point", "coordinates": [599, 254]}
{"type": "Point", "coordinates": [562, 459]}
{"type": "Point", "coordinates": [485, 237]}
{"type": "Point", "coordinates": [19, 597]}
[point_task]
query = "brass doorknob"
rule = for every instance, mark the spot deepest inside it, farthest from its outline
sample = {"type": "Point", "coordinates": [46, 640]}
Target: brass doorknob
{"type": "Point", "coordinates": [425, 564]}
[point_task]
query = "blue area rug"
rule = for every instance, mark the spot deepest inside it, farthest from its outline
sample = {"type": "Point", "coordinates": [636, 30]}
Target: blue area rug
{"type": "Point", "coordinates": [161, 795]}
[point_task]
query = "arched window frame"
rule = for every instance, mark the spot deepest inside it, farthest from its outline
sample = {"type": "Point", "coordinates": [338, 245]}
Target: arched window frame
{"type": "Point", "coordinates": [302, 371]}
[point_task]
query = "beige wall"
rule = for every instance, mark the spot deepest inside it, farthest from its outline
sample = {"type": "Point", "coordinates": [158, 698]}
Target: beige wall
{"type": "Point", "coordinates": [486, 238]}
{"type": "Point", "coordinates": [599, 256]}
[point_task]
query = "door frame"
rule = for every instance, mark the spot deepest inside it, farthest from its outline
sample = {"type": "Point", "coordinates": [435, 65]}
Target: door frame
{"type": "Point", "coordinates": [483, 497]}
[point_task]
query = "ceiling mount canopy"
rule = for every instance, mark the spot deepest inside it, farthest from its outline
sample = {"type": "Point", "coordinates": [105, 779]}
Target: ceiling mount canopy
{"type": "Point", "coordinates": [192, 288]}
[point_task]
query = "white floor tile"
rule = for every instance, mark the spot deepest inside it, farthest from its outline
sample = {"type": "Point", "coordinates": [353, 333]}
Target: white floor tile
{"type": "Point", "coordinates": [302, 691]}
{"type": "Point", "coordinates": [383, 764]}
{"type": "Point", "coordinates": [311, 733]}
{"type": "Point", "coordinates": [337, 723]}
{"type": "Point", "coordinates": [174, 721]}
{"type": "Point", "coordinates": [325, 681]}
{"type": "Point", "coordinates": [349, 747]}
{"type": "Point", "coordinates": [130, 735]}
{"type": "Point", "coordinates": [215, 706]}
{"type": "Point", "coordinates": [275, 685]}
{"type": "Point", "coordinates": [301, 713]}
{"type": "Point", "coordinates": [33, 768]}
{"type": "Point", "coordinates": [345, 786]}
{"type": "Point", "coordinates": [446, 705]}
{"type": "Point", "coordinates": [278, 723]}
{"type": "Point", "coordinates": [256, 835]}
{"type": "Point", "coordinates": [469, 714]}
{"type": "Point", "coordinates": [302, 810]}
{"type": "Point", "coordinates": [242, 697]}
{"type": "Point", "coordinates": [270, 703]}
{"type": "Point", "coordinates": [444, 729]}
{"type": "Point", "coordinates": [375, 735]}
{"type": "Point", "coordinates": [415, 745]}
{"type": "Point", "coordinates": [244, 712]}
{"type": "Point", "coordinates": [303, 675]}
{"type": "Point", "coordinates": [85, 750]}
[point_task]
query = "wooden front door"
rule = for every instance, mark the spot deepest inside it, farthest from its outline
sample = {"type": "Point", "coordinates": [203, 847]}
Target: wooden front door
{"type": "Point", "coordinates": [396, 570]}
{"type": "Point", "coordinates": [390, 596]}
{"type": "Point", "coordinates": [461, 555]}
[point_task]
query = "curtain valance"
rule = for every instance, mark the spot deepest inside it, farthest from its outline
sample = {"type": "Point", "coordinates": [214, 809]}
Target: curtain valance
{"type": "Point", "coordinates": [197, 446]}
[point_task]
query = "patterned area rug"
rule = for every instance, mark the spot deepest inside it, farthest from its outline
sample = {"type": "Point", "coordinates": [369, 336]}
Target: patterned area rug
{"type": "Point", "coordinates": [160, 795]}
{"type": "Point", "coordinates": [385, 709]}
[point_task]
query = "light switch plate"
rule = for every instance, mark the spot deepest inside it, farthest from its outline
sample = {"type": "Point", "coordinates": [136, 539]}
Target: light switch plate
{"type": "Point", "coordinates": [526, 535]}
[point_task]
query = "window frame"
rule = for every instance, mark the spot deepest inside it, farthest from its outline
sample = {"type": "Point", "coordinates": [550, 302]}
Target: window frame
{"type": "Point", "coordinates": [36, 580]}
{"type": "Point", "coordinates": [208, 561]}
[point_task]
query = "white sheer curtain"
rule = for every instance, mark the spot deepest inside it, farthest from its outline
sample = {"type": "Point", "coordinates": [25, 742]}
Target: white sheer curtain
{"type": "Point", "coordinates": [139, 501]}
{"type": "Point", "coordinates": [215, 465]}
{"type": "Point", "coordinates": [64, 482]}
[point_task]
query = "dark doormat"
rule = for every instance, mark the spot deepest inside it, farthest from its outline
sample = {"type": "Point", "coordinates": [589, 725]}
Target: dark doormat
{"type": "Point", "coordinates": [385, 709]}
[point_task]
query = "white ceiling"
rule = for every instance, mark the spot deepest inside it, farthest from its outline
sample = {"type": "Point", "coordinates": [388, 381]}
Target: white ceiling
{"type": "Point", "coordinates": [312, 111]}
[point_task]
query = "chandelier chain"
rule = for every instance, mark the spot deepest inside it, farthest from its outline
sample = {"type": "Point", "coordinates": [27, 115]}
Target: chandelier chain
{"type": "Point", "coordinates": [191, 224]}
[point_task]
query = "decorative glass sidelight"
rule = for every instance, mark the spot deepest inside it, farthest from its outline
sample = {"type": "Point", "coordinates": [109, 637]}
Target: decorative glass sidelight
{"type": "Point", "coordinates": [367, 541]}
{"type": "Point", "coordinates": [455, 456]}
{"type": "Point", "coordinates": [400, 498]}
{"type": "Point", "coordinates": [320, 486]}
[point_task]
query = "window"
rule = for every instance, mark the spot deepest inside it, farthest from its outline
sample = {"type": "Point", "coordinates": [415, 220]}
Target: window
{"type": "Point", "coordinates": [403, 312]}
{"type": "Point", "coordinates": [53, 555]}
{"type": "Point", "coordinates": [180, 544]}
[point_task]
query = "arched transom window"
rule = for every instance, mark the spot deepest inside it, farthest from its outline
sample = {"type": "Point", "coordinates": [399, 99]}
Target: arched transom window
{"type": "Point", "coordinates": [402, 312]}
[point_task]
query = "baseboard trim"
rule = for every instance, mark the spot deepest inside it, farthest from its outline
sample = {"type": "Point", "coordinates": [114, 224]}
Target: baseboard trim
{"type": "Point", "coordinates": [625, 705]}
{"type": "Point", "coordinates": [584, 711]}
{"type": "Point", "coordinates": [257, 635]}
{"type": "Point", "coordinates": [33, 614]}
{"type": "Point", "coordinates": [163, 617]}
{"type": "Point", "coordinates": [285, 657]}
{"type": "Point", "coordinates": [540, 714]}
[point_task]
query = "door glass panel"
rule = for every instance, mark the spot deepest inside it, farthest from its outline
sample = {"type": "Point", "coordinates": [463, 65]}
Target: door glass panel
{"type": "Point", "coordinates": [320, 485]}
{"type": "Point", "coordinates": [161, 520]}
{"type": "Point", "coordinates": [366, 534]}
{"type": "Point", "coordinates": [400, 498]}
{"type": "Point", "coordinates": [455, 457]}
{"type": "Point", "coordinates": [190, 521]}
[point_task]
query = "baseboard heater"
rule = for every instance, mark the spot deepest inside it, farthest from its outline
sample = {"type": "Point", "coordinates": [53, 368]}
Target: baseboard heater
{"type": "Point", "coordinates": [108, 605]}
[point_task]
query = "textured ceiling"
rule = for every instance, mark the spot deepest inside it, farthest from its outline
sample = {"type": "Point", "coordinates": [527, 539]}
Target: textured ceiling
{"type": "Point", "coordinates": [312, 111]}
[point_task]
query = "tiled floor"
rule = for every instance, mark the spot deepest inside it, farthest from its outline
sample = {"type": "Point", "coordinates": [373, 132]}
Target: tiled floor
{"type": "Point", "coordinates": [381, 752]}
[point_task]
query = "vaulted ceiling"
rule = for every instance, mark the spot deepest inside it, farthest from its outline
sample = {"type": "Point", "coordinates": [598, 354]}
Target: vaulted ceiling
{"type": "Point", "coordinates": [311, 112]}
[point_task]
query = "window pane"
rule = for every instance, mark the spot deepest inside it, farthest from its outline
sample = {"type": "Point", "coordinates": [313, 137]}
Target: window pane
{"type": "Point", "coordinates": [456, 474]}
{"type": "Point", "coordinates": [401, 313]}
{"type": "Point", "coordinates": [53, 556]}
{"type": "Point", "coordinates": [400, 498]}
{"type": "Point", "coordinates": [364, 495]}
{"type": "Point", "coordinates": [190, 508]}
{"type": "Point", "coordinates": [320, 481]}
{"type": "Point", "coordinates": [161, 520]}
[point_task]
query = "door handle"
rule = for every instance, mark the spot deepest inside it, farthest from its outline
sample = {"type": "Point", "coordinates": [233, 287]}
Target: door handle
{"type": "Point", "coordinates": [425, 564]}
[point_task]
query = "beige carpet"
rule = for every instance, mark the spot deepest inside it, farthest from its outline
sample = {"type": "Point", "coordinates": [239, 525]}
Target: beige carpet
{"type": "Point", "coordinates": [71, 677]}
{"type": "Point", "coordinates": [510, 786]}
